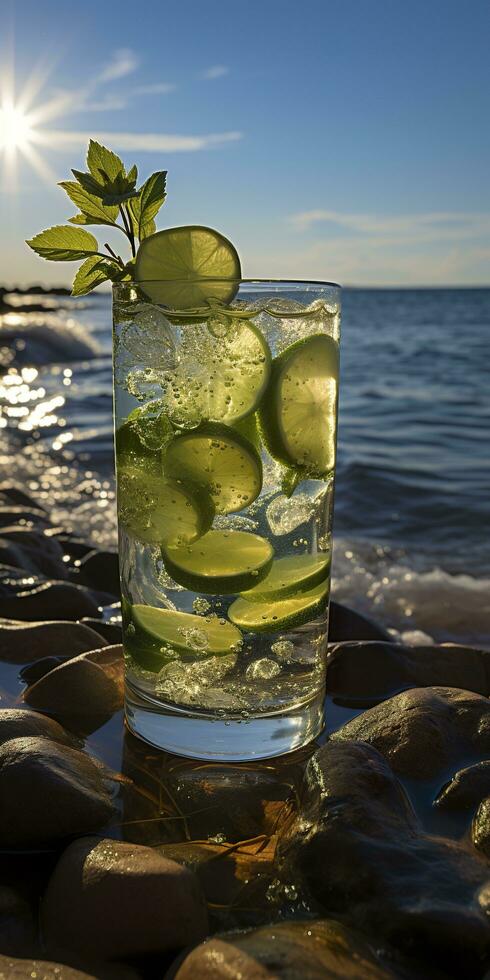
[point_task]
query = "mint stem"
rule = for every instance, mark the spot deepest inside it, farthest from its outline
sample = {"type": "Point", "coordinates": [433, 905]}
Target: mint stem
{"type": "Point", "coordinates": [113, 253]}
{"type": "Point", "coordinates": [127, 228]}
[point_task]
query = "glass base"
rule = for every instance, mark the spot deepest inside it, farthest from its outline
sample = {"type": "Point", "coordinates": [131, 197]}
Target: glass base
{"type": "Point", "coordinates": [204, 736]}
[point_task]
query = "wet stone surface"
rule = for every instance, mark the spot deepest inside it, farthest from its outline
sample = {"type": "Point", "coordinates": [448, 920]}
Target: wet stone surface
{"type": "Point", "coordinates": [365, 855]}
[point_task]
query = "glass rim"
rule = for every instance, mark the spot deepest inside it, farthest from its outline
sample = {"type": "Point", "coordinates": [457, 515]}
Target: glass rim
{"type": "Point", "coordinates": [230, 279]}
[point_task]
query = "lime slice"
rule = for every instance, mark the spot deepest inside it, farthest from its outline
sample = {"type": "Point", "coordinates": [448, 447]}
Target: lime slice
{"type": "Point", "coordinates": [249, 429]}
{"type": "Point", "coordinates": [160, 511]}
{"type": "Point", "coordinates": [298, 411]}
{"type": "Point", "coordinates": [185, 632]}
{"type": "Point", "coordinates": [176, 265]}
{"type": "Point", "coordinates": [219, 461]}
{"type": "Point", "coordinates": [221, 562]}
{"type": "Point", "coordinates": [271, 616]}
{"type": "Point", "coordinates": [140, 438]}
{"type": "Point", "coordinates": [218, 379]}
{"type": "Point", "coordinates": [288, 576]}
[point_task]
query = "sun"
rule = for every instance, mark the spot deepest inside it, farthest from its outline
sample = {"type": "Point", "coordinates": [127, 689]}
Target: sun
{"type": "Point", "coordinates": [15, 129]}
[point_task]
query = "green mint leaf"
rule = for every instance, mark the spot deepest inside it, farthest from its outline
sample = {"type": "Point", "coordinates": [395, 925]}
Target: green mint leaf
{"type": "Point", "coordinates": [89, 183]}
{"type": "Point", "coordinates": [92, 208]}
{"type": "Point", "coordinates": [63, 243]}
{"type": "Point", "coordinates": [146, 206]}
{"type": "Point", "coordinates": [103, 164]}
{"type": "Point", "coordinates": [118, 197]}
{"type": "Point", "coordinates": [92, 273]}
{"type": "Point", "coordinates": [133, 174]}
{"type": "Point", "coordinates": [112, 192]}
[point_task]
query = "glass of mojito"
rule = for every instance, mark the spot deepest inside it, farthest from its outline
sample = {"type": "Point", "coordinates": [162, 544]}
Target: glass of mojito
{"type": "Point", "coordinates": [225, 411]}
{"type": "Point", "coordinates": [226, 395]}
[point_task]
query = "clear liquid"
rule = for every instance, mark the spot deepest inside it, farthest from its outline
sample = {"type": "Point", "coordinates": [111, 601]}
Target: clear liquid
{"type": "Point", "coordinates": [270, 671]}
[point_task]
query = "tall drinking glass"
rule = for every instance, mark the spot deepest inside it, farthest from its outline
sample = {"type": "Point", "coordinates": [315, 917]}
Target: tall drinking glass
{"type": "Point", "coordinates": [226, 414]}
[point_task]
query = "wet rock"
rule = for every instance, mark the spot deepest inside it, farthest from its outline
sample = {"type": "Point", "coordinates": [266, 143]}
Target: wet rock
{"type": "Point", "coordinates": [21, 723]}
{"type": "Point", "coordinates": [33, 672]}
{"type": "Point", "coordinates": [293, 951]}
{"type": "Point", "coordinates": [18, 931]}
{"type": "Point", "coordinates": [113, 899]}
{"type": "Point", "coordinates": [100, 570]}
{"type": "Point", "coordinates": [75, 548]}
{"type": "Point", "coordinates": [480, 830]}
{"type": "Point", "coordinates": [31, 559]}
{"type": "Point", "coordinates": [112, 632]}
{"type": "Point", "coordinates": [466, 789]}
{"type": "Point", "coordinates": [14, 495]}
{"type": "Point", "coordinates": [425, 731]}
{"type": "Point", "coordinates": [61, 638]}
{"type": "Point", "coordinates": [22, 969]}
{"type": "Point", "coordinates": [365, 859]}
{"type": "Point", "coordinates": [346, 624]}
{"type": "Point", "coordinates": [49, 792]}
{"type": "Point", "coordinates": [364, 673]}
{"type": "Point", "coordinates": [84, 692]}
{"type": "Point", "coordinates": [22, 515]}
{"type": "Point", "coordinates": [51, 600]}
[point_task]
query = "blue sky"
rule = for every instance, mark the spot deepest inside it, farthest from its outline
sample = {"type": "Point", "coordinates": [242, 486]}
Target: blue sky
{"type": "Point", "coordinates": [336, 140]}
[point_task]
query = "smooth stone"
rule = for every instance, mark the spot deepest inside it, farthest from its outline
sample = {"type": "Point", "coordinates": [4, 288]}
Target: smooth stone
{"type": "Point", "coordinates": [466, 789]}
{"type": "Point", "coordinates": [311, 950]}
{"type": "Point", "coordinates": [30, 559]}
{"type": "Point", "coordinates": [19, 516]}
{"type": "Point", "coordinates": [112, 632]}
{"type": "Point", "coordinates": [50, 600]}
{"type": "Point", "coordinates": [33, 672]}
{"type": "Point", "coordinates": [424, 731]}
{"type": "Point", "coordinates": [480, 831]}
{"type": "Point", "coordinates": [346, 624]}
{"type": "Point", "coordinates": [84, 692]}
{"type": "Point", "coordinates": [26, 969]}
{"type": "Point", "coordinates": [112, 899]}
{"type": "Point", "coordinates": [49, 792]}
{"type": "Point", "coordinates": [60, 638]}
{"type": "Point", "coordinates": [100, 570]}
{"type": "Point", "coordinates": [18, 933]}
{"type": "Point", "coordinates": [76, 548]}
{"type": "Point", "coordinates": [11, 494]}
{"type": "Point", "coordinates": [22, 723]}
{"type": "Point", "coordinates": [364, 857]}
{"type": "Point", "coordinates": [364, 673]}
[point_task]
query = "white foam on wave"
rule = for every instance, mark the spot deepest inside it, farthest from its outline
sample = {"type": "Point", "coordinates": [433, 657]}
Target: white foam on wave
{"type": "Point", "coordinates": [417, 605]}
{"type": "Point", "coordinates": [43, 338]}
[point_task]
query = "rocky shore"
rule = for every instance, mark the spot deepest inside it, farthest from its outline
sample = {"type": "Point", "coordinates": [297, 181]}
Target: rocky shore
{"type": "Point", "coordinates": [364, 856]}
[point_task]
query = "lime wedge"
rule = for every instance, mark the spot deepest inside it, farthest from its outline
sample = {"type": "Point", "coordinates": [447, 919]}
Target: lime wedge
{"type": "Point", "coordinates": [193, 635]}
{"type": "Point", "coordinates": [158, 510]}
{"type": "Point", "coordinates": [218, 461]}
{"type": "Point", "coordinates": [298, 411]}
{"type": "Point", "coordinates": [174, 265]}
{"type": "Point", "coordinates": [271, 616]}
{"type": "Point", "coordinates": [218, 379]}
{"type": "Point", "coordinates": [288, 576]}
{"type": "Point", "coordinates": [220, 562]}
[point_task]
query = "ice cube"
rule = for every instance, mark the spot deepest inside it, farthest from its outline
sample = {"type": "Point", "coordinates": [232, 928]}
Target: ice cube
{"type": "Point", "coordinates": [285, 514]}
{"type": "Point", "coordinates": [188, 682]}
{"type": "Point", "coordinates": [150, 338]}
{"type": "Point", "coordinates": [263, 669]}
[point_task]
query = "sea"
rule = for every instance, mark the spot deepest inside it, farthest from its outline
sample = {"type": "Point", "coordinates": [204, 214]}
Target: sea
{"type": "Point", "coordinates": [412, 499]}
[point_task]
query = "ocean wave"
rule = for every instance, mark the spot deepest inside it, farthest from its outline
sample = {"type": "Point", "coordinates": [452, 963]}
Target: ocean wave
{"type": "Point", "coordinates": [41, 339]}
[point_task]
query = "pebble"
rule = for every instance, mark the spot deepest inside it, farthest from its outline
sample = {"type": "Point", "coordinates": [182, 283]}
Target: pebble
{"type": "Point", "coordinates": [112, 899]}
{"type": "Point", "coordinates": [49, 792]}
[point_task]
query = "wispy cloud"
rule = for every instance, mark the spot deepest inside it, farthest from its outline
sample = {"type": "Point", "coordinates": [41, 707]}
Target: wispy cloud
{"type": "Point", "coordinates": [215, 71]}
{"type": "Point", "coordinates": [425, 249]}
{"type": "Point", "coordinates": [158, 88]}
{"type": "Point", "coordinates": [142, 142]}
{"type": "Point", "coordinates": [123, 62]}
{"type": "Point", "coordinates": [405, 228]}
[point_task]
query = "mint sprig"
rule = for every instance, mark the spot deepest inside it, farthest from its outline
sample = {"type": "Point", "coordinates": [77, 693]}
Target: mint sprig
{"type": "Point", "coordinates": [105, 195]}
